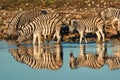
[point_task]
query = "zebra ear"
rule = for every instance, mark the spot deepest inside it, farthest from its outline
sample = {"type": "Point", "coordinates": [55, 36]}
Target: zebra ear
{"type": "Point", "coordinates": [44, 12]}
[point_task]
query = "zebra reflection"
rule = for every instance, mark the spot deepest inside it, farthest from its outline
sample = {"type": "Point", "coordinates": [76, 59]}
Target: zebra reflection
{"type": "Point", "coordinates": [113, 61]}
{"type": "Point", "coordinates": [91, 60]}
{"type": "Point", "coordinates": [40, 57]}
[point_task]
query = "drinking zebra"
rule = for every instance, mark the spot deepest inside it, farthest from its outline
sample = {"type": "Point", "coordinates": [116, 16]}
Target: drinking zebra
{"type": "Point", "coordinates": [23, 18]}
{"type": "Point", "coordinates": [88, 25]}
{"type": "Point", "coordinates": [113, 13]}
{"type": "Point", "coordinates": [91, 60]}
{"type": "Point", "coordinates": [39, 26]}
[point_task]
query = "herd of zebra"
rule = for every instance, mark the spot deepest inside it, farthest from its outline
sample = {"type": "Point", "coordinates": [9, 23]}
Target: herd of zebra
{"type": "Point", "coordinates": [51, 57]}
{"type": "Point", "coordinates": [47, 23]}
{"type": "Point", "coordinates": [43, 23]}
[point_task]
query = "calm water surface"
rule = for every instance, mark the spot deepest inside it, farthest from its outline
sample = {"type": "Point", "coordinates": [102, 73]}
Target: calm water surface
{"type": "Point", "coordinates": [11, 69]}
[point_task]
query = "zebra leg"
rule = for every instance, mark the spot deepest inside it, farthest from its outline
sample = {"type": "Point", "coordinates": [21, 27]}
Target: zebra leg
{"type": "Point", "coordinates": [35, 36]}
{"type": "Point", "coordinates": [112, 23]}
{"type": "Point", "coordinates": [102, 33]}
{"type": "Point", "coordinates": [85, 39]}
{"type": "Point", "coordinates": [118, 25]}
{"type": "Point", "coordinates": [81, 36]}
{"type": "Point", "coordinates": [98, 36]}
{"type": "Point", "coordinates": [54, 35]}
{"type": "Point", "coordinates": [58, 36]}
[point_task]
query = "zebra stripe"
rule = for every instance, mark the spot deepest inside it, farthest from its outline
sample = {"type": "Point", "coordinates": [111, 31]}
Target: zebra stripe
{"type": "Point", "coordinates": [16, 18]}
{"type": "Point", "coordinates": [111, 13]}
{"type": "Point", "coordinates": [88, 25]}
{"type": "Point", "coordinates": [13, 23]}
{"type": "Point", "coordinates": [90, 60]}
{"type": "Point", "coordinates": [39, 57]}
{"type": "Point", "coordinates": [42, 26]}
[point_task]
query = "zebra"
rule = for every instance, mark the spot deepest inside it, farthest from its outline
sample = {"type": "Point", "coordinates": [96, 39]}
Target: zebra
{"type": "Point", "coordinates": [23, 18]}
{"type": "Point", "coordinates": [88, 25]}
{"type": "Point", "coordinates": [39, 26]}
{"type": "Point", "coordinates": [113, 13]}
{"type": "Point", "coordinates": [91, 60]}
{"type": "Point", "coordinates": [39, 57]}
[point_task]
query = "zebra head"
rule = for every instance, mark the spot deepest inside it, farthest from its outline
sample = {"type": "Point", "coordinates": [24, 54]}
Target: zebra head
{"type": "Point", "coordinates": [109, 12]}
{"type": "Point", "coordinates": [73, 23]}
{"type": "Point", "coordinates": [13, 23]}
{"type": "Point", "coordinates": [21, 37]}
{"type": "Point", "coordinates": [106, 13]}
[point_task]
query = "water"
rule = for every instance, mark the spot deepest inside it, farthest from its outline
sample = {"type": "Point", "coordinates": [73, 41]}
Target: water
{"type": "Point", "coordinates": [11, 69]}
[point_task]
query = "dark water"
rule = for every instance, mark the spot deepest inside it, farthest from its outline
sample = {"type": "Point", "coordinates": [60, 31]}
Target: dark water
{"type": "Point", "coordinates": [14, 68]}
